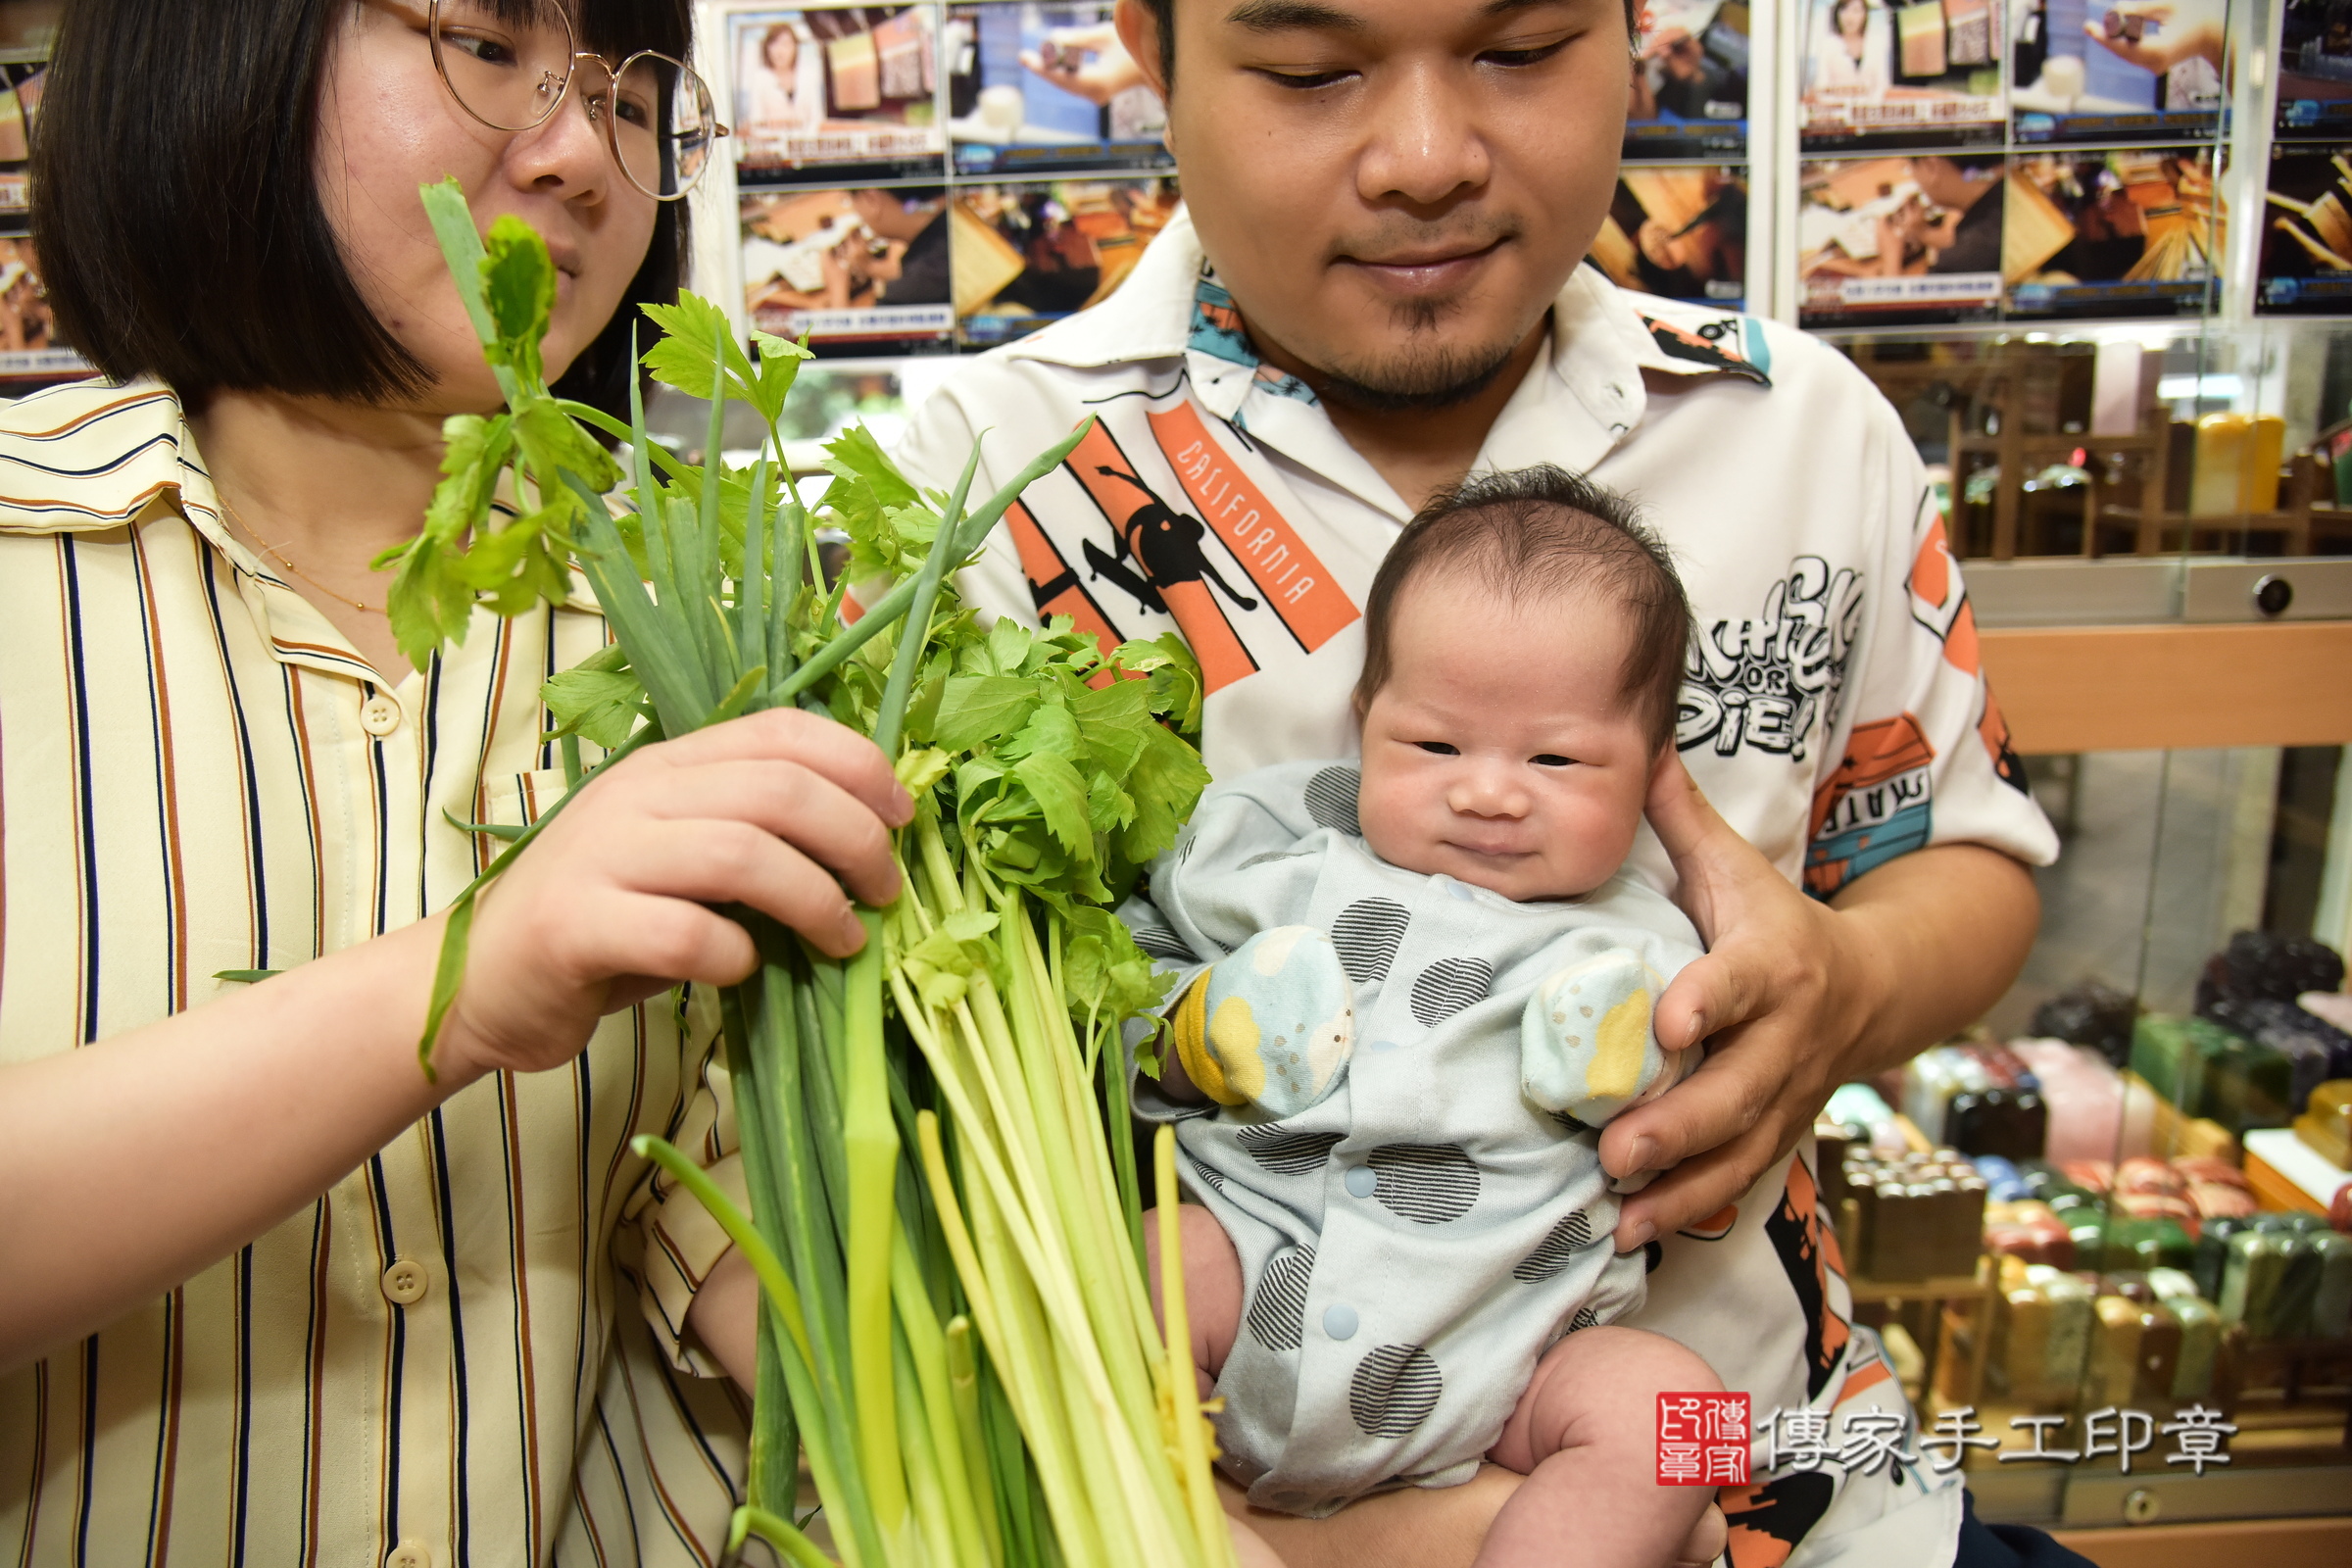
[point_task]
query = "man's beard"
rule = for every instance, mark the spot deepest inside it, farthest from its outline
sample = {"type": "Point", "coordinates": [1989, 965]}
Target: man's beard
{"type": "Point", "coordinates": [1426, 375]}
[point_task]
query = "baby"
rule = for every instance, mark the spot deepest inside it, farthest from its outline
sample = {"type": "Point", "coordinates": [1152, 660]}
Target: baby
{"type": "Point", "coordinates": [1427, 985]}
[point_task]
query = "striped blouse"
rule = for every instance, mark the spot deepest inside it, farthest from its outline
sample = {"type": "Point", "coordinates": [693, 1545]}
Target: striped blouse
{"type": "Point", "coordinates": [468, 1350]}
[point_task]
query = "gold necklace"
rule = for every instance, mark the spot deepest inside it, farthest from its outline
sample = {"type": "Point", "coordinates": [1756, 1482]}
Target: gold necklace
{"type": "Point", "coordinates": [287, 562]}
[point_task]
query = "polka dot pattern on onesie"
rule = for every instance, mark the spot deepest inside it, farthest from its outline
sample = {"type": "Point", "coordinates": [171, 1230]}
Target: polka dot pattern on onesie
{"type": "Point", "coordinates": [1286, 1152]}
{"type": "Point", "coordinates": [1393, 1389]}
{"type": "Point", "coordinates": [1569, 1236]}
{"type": "Point", "coordinates": [1160, 941]}
{"type": "Point", "coordinates": [1585, 1318]}
{"type": "Point", "coordinates": [1278, 1311]}
{"type": "Point", "coordinates": [1447, 986]}
{"type": "Point", "coordinates": [1367, 934]}
{"type": "Point", "coordinates": [1330, 799]}
{"type": "Point", "coordinates": [1429, 1184]}
{"type": "Point", "coordinates": [1206, 1173]}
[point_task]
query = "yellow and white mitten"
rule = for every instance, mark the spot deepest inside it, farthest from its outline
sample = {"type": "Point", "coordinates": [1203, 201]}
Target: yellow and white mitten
{"type": "Point", "coordinates": [1271, 1024]}
{"type": "Point", "coordinates": [1585, 1047]}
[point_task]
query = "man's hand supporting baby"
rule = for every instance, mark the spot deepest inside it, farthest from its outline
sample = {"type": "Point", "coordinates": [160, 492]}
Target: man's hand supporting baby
{"type": "Point", "coordinates": [1796, 997]}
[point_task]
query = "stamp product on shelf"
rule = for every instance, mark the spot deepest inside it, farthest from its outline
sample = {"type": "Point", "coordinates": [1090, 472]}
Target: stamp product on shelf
{"type": "Point", "coordinates": [1899, 241]}
{"type": "Point", "coordinates": [2130, 231]}
{"type": "Point", "coordinates": [1032, 253]}
{"type": "Point", "coordinates": [824, 90]}
{"type": "Point", "coordinates": [862, 271]}
{"type": "Point", "coordinates": [2315, 70]}
{"type": "Point", "coordinates": [1925, 73]}
{"type": "Point", "coordinates": [1691, 84]}
{"type": "Point", "coordinates": [2088, 71]}
{"type": "Point", "coordinates": [2091, 1013]}
{"type": "Point", "coordinates": [1045, 88]}
{"type": "Point", "coordinates": [1680, 231]}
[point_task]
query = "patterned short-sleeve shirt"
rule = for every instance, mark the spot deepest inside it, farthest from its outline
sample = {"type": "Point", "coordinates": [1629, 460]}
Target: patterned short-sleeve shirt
{"type": "Point", "coordinates": [1833, 703]}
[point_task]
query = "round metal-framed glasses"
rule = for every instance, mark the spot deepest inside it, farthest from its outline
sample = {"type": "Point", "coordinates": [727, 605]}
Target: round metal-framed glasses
{"type": "Point", "coordinates": [510, 64]}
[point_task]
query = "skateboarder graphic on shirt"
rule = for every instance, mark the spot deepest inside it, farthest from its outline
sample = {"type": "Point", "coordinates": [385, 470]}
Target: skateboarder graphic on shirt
{"type": "Point", "coordinates": [1166, 543]}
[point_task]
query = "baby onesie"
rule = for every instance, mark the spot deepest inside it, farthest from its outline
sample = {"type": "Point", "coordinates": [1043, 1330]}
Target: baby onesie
{"type": "Point", "coordinates": [1407, 1165]}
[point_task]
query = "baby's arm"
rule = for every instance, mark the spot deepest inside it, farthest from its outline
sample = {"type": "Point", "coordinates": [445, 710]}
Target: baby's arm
{"type": "Point", "coordinates": [1271, 1024]}
{"type": "Point", "coordinates": [1585, 1047]}
{"type": "Point", "coordinates": [1172, 1092]}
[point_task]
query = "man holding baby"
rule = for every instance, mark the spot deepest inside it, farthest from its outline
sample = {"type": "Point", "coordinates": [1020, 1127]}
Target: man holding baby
{"type": "Point", "coordinates": [1376, 291]}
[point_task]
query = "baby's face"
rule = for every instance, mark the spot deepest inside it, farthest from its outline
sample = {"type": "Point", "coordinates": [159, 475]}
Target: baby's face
{"type": "Point", "coordinates": [1499, 751]}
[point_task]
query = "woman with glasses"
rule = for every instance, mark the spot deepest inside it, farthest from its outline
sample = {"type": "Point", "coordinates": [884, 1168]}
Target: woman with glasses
{"type": "Point", "coordinates": [268, 1293]}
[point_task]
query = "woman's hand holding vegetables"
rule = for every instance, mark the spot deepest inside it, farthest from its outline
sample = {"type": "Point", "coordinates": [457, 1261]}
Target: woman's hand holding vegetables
{"type": "Point", "coordinates": [781, 811]}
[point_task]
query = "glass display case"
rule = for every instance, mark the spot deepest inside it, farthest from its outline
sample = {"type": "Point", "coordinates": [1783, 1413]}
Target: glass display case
{"type": "Point", "coordinates": [2146, 1135]}
{"type": "Point", "coordinates": [2099, 1225]}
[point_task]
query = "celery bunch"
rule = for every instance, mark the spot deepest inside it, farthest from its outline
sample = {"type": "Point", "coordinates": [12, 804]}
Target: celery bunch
{"type": "Point", "coordinates": [945, 1214]}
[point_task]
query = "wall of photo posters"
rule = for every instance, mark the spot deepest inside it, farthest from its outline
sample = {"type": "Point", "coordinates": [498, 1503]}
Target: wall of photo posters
{"type": "Point", "coordinates": [937, 178]}
{"type": "Point", "coordinates": [1680, 224]}
{"type": "Point", "coordinates": [30, 352]}
{"type": "Point", "coordinates": [1996, 160]}
{"type": "Point", "coordinates": [947, 176]}
{"type": "Point", "coordinates": [2304, 264]}
{"type": "Point", "coordinates": [943, 176]}
{"type": "Point", "coordinates": [929, 178]}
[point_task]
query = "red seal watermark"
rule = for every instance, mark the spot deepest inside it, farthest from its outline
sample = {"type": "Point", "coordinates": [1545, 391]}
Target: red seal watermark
{"type": "Point", "coordinates": [1703, 1439]}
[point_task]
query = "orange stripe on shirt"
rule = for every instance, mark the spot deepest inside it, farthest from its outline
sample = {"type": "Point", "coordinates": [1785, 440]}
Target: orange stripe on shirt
{"type": "Point", "coordinates": [1287, 572]}
{"type": "Point", "coordinates": [1223, 658]}
{"type": "Point", "coordinates": [1100, 451]}
{"type": "Point", "coordinates": [1866, 1376]}
{"type": "Point", "coordinates": [1101, 465]}
{"type": "Point", "coordinates": [1053, 584]}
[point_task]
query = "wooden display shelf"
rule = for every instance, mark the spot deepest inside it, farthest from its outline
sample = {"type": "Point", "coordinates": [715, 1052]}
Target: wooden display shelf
{"type": "Point", "coordinates": [2303, 525]}
{"type": "Point", "coordinates": [2147, 688]}
{"type": "Point", "coordinates": [1943, 1288]}
{"type": "Point", "coordinates": [2325, 1543]}
{"type": "Point", "coordinates": [1945, 1335]}
{"type": "Point", "coordinates": [2007, 410]}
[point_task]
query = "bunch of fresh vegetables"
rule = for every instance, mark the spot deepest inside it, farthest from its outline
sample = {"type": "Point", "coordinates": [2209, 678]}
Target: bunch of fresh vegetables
{"type": "Point", "coordinates": [944, 1216]}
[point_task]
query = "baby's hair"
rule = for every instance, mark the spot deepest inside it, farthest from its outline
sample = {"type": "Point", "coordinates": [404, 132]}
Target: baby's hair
{"type": "Point", "coordinates": [1539, 532]}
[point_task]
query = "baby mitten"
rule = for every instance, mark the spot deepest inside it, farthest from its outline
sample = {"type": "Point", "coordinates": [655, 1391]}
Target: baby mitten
{"type": "Point", "coordinates": [1273, 1023]}
{"type": "Point", "coordinates": [1586, 1048]}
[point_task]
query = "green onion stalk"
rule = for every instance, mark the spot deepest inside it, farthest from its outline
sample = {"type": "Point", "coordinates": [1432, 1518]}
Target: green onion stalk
{"type": "Point", "coordinates": [945, 1220]}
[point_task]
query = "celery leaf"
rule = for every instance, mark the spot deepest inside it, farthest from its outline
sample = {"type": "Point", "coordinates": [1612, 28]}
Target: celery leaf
{"type": "Point", "coordinates": [518, 284]}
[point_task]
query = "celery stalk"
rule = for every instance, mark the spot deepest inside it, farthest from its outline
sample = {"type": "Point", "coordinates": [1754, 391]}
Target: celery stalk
{"type": "Point", "coordinates": [963, 1383]}
{"type": "Point", "coordinates": [1192, 1430]}
{"type": "Point", "coordinates": [777, 1532]}
{"type": "Point", "coordinates": [927, 1356]}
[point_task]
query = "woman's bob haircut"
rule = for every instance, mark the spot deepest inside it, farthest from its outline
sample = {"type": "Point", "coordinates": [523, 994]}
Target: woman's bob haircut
{"type": "Point", "coordinates": [176, 212]}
